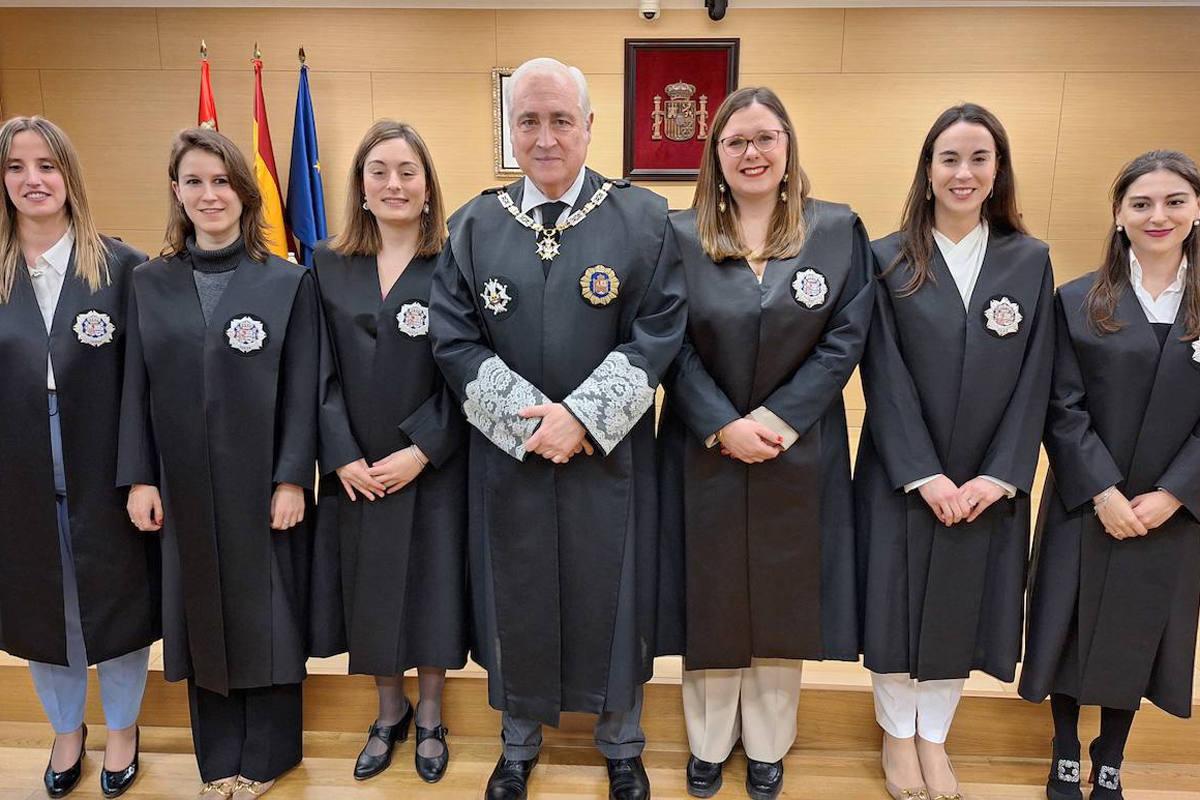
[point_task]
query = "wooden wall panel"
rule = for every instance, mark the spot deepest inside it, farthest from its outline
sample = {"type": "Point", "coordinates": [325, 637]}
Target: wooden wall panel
{"type": "Point", "coordinates": [1108, 119]}
{"type": "Point", "coordinates": [1016, 39]}
{"type": "Point", "coordinates": [860, 136]}
{"type": "Point", "coordinates": [20, 93]}
{"type": "Point", "coordinates": [773, 40]}
{"type": "Point", "coordinates": [78, 38]}
{"type": "Point", "coordinates": [357, 40]}
{"type": "Point", "coordinates": [1074, 257]}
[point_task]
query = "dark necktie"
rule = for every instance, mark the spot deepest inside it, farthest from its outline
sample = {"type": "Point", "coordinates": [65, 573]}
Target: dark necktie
{"type": "Point", "coordinates": [550, 212]}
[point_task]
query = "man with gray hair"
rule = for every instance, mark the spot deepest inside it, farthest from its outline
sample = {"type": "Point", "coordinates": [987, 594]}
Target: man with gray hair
{"type": "Point", "coordinates": [556, 309]}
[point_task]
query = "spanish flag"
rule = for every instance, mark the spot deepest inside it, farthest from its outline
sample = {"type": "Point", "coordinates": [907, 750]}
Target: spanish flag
{"type": "Point", "coordinates": [207, 116]}
{"type": "Point", "coordinates": [279, 241]}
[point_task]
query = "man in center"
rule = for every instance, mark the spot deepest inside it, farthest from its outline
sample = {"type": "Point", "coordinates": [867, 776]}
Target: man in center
{"type": "Point", "coordinates": [555, 311]}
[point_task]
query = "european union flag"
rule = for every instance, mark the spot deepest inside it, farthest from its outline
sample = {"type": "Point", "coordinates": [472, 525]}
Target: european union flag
{"type": "Point", "coordinates": [306, 196]}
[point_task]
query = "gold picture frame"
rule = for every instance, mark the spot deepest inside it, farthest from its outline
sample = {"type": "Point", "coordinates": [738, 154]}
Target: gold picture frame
{"type": "Point", "coordinates": [503, 160]}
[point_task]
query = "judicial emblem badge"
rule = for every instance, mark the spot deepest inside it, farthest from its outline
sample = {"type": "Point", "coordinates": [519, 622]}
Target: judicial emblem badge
{"type": "Point", "coordinates": [246, 334]}
{"type": "Point", "coordinates": [809, 288]}
{"type": "Point", "coordinates": [497, 296]}
{"type": "Point", "coordinates": [94, 327]}
{"type": "Point", "coordinates": [413, 319]}
{"type": "Point", "coordinates": [599, 285]}
{"type": "Point", "coordinates": [1002, 316]}
{"type": "Point", "coordinates": [1196, 351]}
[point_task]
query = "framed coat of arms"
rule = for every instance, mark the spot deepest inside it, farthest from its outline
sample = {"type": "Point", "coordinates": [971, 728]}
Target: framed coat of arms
{"type": "Point", "coordinates": [672, 90]}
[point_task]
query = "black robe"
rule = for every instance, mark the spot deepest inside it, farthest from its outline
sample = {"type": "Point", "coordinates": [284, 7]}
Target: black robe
{"type": "Point", "coordinates": [216, 429]}
{"type": "Point", "coordinates": [389, 575]}
{"type": "Point", "coordinates": [946, 394]}
{"type": "Point", "coordinates": [769, 564]}
{"type": "Point", "coordinates": [116, 566]}
{"type": "Point", "coordinates": [563, 559]}
{"type": "Point", "coordinates": [1111, 622]}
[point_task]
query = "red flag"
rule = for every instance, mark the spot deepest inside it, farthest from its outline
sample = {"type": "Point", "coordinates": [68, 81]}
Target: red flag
{"type": "Point", "coordinates": [207, 117]}
{"type": "Point", "coordinates": [279, 239]}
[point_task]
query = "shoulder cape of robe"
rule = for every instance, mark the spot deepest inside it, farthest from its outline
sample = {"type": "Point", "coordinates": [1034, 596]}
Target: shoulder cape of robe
{"type": "Point", "coordinates": [216, 428]}
{"type": "Point", "coordinates": [116, 566]}
{"type": "Point", "coordinates": [563, 558]}
{"type": "Point", "coordinates": [948, 393]}
{"type": "Point", "coordinates": [389, 576]}
{"type": "Point", "coordinates": [1114, 621]}
{"type": "Point", "coordinates": [765, 552]}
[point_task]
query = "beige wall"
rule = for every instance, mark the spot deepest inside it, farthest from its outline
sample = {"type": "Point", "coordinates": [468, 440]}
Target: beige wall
{"type": "Point", "coordinates": [1081, 90]}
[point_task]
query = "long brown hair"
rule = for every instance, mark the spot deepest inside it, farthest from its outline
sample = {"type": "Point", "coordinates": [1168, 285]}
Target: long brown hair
{"type": "Point", "coordinates": [717, 230]}
{"type": "Point", "coordinates": [1113, 276]}
{"type": "Point", "coordinates": [91, 253]}
{"type": "Point", "coordinates": [241, 179]}
{"type": "Point", "coordinates": [360, 237]}
{"type": "Point", "coordinates": [916, 223]}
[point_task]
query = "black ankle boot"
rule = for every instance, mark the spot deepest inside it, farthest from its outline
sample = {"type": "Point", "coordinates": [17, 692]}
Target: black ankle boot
{"type": "Point", "coordinates": [703, 777]}
{"type": "Point", "coordinates": [368, 766]}
{"type": "Point", "coordinates": [1106, 776]}
{"type": "Point", "coordinates": [1063, 781]}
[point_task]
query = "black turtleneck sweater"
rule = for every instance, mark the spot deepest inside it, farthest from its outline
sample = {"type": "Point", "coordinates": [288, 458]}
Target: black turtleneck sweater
{"type": "Point", "coordinates": [212, 270]}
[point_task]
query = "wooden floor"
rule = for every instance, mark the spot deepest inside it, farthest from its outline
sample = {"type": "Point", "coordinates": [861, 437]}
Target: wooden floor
{"type": "Point", "coordinates": [577, 772]}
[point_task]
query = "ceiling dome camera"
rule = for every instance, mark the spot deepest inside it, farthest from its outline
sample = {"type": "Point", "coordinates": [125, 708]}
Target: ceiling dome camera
{"type": "Point", "coordinates": [716, 8]}
{"type": "Point", "coordinates": [649, 10]}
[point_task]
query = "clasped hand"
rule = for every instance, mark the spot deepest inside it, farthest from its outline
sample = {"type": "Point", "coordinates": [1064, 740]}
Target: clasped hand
{"type": "Point", "coordinates": [952, 504]}
{"type": "Point", "coordinates": [749, 442]}
{"type": "Point", "coordinates": [560, 436]}
{"type": "Point", "coordinates": [1123, 518]}
{"type": "Point", "coordinates": [386, 476]}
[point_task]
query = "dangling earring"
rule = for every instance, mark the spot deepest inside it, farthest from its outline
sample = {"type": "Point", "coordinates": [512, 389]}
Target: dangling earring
{"type": "Point", "coordinates": [425, 210]}
{"type": "Point", "coordinates": [365, 206]}
{"type": "Point", "coordinates": [721, 203]}
{"type": "Point", "coordinates": [783, 192]}
{"type": "Point", "coordinates": [991, 192]}
{"type": "Point", "coordinates": [928, 191]}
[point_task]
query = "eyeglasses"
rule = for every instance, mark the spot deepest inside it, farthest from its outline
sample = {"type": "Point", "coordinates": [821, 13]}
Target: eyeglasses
{"type": "Point", "coordinates": [764, 141]}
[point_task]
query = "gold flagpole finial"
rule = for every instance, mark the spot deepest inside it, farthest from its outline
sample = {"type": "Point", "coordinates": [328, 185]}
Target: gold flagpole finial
{"type": "Point", "coordinates": [204, 49]}
{"type": "Point", "coordinates": [257, 52]}
{"type": "Point", "coordinates": [302, 56]}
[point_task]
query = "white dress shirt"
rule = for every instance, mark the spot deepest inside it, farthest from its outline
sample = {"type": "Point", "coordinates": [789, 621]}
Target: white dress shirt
{"type": "Point", "coordinates": [965, 260]}
{"type": "Point", "coordinates": [532, 197]}
{"type": "Point", "coordinates": [47, 275]}
{"type": "Point", "coordinates": [1165, 307]}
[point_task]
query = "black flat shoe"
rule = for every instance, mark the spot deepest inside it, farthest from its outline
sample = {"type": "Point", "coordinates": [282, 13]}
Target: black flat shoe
{"type": "Point", "coordinates": [368, 766]}
{"type": "Point", "coordinates": [510, 779]}
{"type": "Point", "coordinates": [433, 768]}
{"type": "Point", "coordinates": [60, 784]}
{"type": "Point", "coordinates": [114, 784]}
{"type": "Point", "coordinates": [703, 777]}
{"type": "Point", "coordinates": [764, 780]}
{"type": "Point", "coordinates": [627, 779]}
{"type": "Point", "coordinates": [1063, 781]}
{"type": "Point", "coordinates": [1105, 778]}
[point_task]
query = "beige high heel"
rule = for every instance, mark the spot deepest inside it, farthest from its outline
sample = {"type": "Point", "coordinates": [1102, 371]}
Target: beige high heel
{"type": "Point", "coordinates": [957, 793]}
{"type": "Point", "coordinates": [916, 793]}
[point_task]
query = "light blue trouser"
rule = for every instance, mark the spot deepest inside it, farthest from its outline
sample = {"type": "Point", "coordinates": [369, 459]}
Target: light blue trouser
{"type": "Point", "coordinates": [63, 690]}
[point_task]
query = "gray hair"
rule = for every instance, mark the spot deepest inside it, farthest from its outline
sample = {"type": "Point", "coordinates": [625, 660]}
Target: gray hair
{"type": "Point", "coordinates": [547, 66]}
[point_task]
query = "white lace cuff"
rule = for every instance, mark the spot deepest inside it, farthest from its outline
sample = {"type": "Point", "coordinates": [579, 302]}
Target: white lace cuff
{"type": "Point", "coordinates": [493, 399]}
{"type": "Point", "coordinates": [611, 400]}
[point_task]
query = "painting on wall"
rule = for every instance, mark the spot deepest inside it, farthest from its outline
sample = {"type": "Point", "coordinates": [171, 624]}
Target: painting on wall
{"type": "Point", "coordinates": [503, 158]}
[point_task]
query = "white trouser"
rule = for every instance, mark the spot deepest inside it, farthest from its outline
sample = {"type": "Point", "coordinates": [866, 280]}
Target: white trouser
{"type": "Point", "coordinates": [758, 703]}
{"type": "Point", "coordinates": [905, 707]}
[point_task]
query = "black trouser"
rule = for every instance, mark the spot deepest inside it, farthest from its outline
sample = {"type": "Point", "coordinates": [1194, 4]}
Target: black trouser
{"type": "Point", "coordinates": [255, 733]}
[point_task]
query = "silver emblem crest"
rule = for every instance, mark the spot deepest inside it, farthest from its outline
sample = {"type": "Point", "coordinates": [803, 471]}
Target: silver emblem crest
{"type": "Point", "coordinates": [94, 327]}
{"type": "Point", "coordinates": [810, 288]}
{"type": "Point", "coordinates": [1003, 316]}
{"type": "Point", "coordinates": [495, 296]}
{"type": "Point", "coordinates": [1196, 351]}
{"type": "Point", "coordinates": [246, 334]}
{"type": "Point", "coordinates": [413, 319]}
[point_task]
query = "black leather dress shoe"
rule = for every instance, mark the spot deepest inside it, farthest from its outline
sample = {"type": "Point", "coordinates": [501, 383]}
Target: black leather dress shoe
{"type": "Point", "coordinates": [114, 784]}
{"type": "Point", "coordinates": [510, 779]}
{"type": "Point", "coordinates": [1063, 781]}
{"type": "Point", "coordinates": [627, 779]}
{"type": "Point", "coordinates": [703, 777]}
{"type": "Point", "coordinates": [60, 784]}
{"type": "Point", "coordinates": [431, 769]}
{"type": "Point", "coordinates": [764, 780]}
{"type": "Point", "coordinates": [368, 766]}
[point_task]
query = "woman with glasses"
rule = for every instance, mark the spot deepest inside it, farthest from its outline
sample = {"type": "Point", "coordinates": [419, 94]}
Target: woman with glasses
{"type": "Point", "coordinates": [957, 380]}
{"type": "Point", "coordinates": [755, 456]}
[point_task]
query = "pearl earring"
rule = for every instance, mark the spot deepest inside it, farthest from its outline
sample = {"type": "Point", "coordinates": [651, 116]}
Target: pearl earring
{"type": "Point", "coordinates": [1120, 229]}
{"type": "Point", "coordinates": [425, 210]}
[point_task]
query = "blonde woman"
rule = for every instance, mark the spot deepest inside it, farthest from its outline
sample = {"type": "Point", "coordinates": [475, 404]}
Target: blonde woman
{"type": "Point", "coordinates": [396, 511]}
{"type": "Point", "coordinates": [218, 447]}
{"type": "Point", "coordinates": [77, 581]}
{"type": "Point", "coordinates": [755, 455]}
